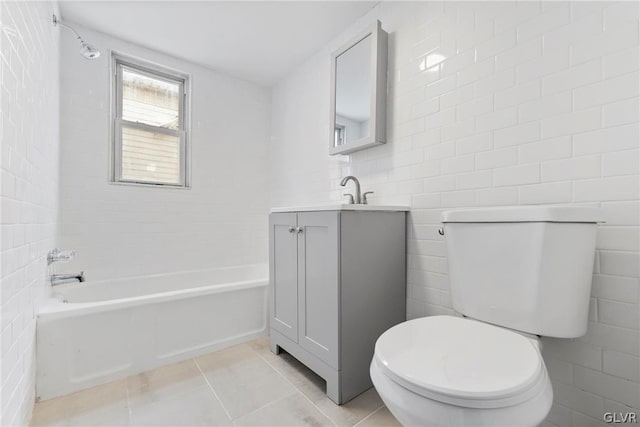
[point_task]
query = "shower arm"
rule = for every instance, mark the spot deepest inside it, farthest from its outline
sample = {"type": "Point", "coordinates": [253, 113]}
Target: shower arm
{"type": "Point", "coordinates": [86, 50]}
{"type": "Point", "coordinates": [56, 21]}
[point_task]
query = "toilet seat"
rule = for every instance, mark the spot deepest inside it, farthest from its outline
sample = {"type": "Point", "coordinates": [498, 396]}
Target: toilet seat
{"type": "Point", "coordinates": [461, 361]}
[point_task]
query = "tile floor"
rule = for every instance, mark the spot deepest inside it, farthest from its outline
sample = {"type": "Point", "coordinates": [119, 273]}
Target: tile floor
{"type": "Point", "coordinates": [244, 385]}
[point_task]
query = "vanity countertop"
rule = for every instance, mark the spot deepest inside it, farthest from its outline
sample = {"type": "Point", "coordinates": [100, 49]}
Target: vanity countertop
{"type": "Point", "coordinates": [340, 207]}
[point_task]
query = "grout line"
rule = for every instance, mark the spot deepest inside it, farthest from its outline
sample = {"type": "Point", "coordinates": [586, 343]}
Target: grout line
{"type": "Point", "coordinates": [369, 416]}
{"type": "Point", "coordinates": [126, 388]}
{"type": "Point", "coordinates": [296, 388]}
{"type": "Point", "coordinates": [266, 405]}
{"type": "Point", "coordinates": [213, 390]}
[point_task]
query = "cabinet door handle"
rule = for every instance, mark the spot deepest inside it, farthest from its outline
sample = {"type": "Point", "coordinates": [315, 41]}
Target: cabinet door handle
{"type": "Point", "coordinates": [292, 229]}
{"type": "Point", "coordinates": [299, 230]}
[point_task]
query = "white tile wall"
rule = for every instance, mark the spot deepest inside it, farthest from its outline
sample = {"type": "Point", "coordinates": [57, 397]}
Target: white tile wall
{"type": "Point", "coordinates": [536, 102]}
{"type": "Point", "coordinates": [120, 230]}
{"type": "Point", "coordinates": [29, 54]}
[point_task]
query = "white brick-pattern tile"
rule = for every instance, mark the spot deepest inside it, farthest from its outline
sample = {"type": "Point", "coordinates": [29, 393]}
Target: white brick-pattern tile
{"type": "Point", "coordinates": [549, 115]}
{"type": "Point", "coordinates": [124, 230]}
{"type": "Point", "coordinates": [29, 88]}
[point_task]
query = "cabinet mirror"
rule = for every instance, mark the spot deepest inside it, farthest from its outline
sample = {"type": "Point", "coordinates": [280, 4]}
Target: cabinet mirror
{"type": "Point", "coordinates": [358, 92]}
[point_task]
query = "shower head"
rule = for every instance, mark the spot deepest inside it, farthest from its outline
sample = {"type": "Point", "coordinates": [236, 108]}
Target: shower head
{"type": "Point", "coordinates": [86, 50]}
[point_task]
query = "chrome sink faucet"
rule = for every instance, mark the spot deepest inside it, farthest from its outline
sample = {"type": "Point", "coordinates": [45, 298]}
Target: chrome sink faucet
{"type": "Point", "coordinates": [357, 199]}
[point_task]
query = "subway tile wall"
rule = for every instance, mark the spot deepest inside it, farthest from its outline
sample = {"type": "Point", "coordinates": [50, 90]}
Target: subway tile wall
{"type": "Point", "coordinates": [491, 104]}
{"type": "Point", "coordinates": [124, 230]}
{"type": "Point", "coordinates": [29, 53]}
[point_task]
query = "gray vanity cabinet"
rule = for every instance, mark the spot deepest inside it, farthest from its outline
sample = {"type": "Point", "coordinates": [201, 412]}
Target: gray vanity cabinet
{"type": "Point", "coordinates": [318, 285]}
{"type": "Point", "coordinates": [304, 269]}
{"type": "Point", "coordinates": [284, 269]}
{"type": "Point", "coordinates": [337, 281]}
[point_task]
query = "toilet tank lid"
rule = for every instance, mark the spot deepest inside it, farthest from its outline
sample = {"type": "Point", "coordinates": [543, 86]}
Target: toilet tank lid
{"type": "Point", "coordinates": [525, 214]}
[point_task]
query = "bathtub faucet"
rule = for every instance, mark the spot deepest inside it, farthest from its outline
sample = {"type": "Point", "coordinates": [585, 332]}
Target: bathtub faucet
{"type": "Point", "coordinates": [59, 279]}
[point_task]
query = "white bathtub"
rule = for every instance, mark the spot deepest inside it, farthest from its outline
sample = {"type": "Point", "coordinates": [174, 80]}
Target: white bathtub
{"type": "Point", "coordinates": [93, 332]}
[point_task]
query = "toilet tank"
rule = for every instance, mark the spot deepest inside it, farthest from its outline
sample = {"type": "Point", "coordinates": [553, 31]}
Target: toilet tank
{"type": "Point", "coordinates": [524, 268]}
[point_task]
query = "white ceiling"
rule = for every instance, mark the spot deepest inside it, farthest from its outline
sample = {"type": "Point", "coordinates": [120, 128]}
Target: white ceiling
{"type": "Point", "coordinates": [256, 41]}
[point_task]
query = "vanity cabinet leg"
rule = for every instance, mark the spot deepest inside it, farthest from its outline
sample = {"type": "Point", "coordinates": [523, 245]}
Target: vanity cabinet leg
{"type": "Point", "coordinates": [273, 346]}
{"type": "Point", "coordinates": [333, 388]}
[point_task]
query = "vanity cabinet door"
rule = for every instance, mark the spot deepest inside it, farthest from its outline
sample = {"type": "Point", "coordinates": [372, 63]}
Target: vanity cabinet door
{"type": "Point", "coordinates": [318, 284]}
{"type": "Point", "coordinates": [283, 274]}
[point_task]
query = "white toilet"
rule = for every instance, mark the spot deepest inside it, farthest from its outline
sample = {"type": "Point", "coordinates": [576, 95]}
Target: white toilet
{"type": "Point", "coordinates": [516, 273]}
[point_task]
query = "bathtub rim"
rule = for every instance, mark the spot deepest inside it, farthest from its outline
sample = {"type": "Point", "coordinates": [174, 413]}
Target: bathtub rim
{"type": "Point", "coordinates": [177, 274]}
{"type": "Point", "coordinates": [53, 308]}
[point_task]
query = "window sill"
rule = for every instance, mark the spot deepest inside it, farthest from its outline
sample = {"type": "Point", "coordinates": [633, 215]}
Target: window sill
{"type": "Point", "coordinates": [148, 185]}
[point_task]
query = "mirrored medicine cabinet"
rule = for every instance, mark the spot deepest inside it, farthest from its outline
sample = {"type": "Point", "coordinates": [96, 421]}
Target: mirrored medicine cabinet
{"type": "Point", "coordinates": [359, 92]}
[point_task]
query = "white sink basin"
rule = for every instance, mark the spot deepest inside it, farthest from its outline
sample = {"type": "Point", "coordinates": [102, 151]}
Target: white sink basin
{"type": "Point", "coordinates": [340, 207]}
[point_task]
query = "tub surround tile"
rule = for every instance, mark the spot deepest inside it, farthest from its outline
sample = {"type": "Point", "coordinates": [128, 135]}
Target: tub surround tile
{"type": "Point", "coordinates": [242, 385]}
{"type": "Point", "coordinates": [31, 98]}
{"type": "Point", "coordinates": [98, 218]}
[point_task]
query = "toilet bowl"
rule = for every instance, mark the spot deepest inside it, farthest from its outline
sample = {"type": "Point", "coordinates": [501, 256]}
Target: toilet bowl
{"type": "Point", "coordinates": [452, 371]}
{"type": "Point", "coordinates": [515, 273]}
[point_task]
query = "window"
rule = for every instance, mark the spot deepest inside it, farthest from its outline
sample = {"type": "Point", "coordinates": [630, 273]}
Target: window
{"type": "Point", "coordinates": [150, 135]}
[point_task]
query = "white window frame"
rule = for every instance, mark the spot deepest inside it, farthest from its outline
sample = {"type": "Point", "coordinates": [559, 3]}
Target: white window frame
{"type": "Point", "coordinates": [161, 73]}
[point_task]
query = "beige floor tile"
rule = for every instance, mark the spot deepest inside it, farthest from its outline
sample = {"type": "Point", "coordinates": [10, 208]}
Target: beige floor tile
{"type": "Point", "coordinates": [165, 382]}
{"type": "Point", "coordinates": [243, 380]}
{"type": "Point", "coordinates": [381, 418]}
{"type": "Point", "coordinates": [196, 407]}
{"type": "Point", "coordinates": [303, 378]}
{"type": "Point", "coordinates": [240, 358]}
{"type": "Point", "coordinates": [103, 405]}
{"type": "Point", "coordinates": [252, 391]}
{"type": "Point", "coordinates": [293, 410]}
{"type": "Point", "coordinates": [353, 411]}
{"type": "Point", "coordinates": [261, 346]}
{"type": "Point", "coordinates": [314, 387]}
